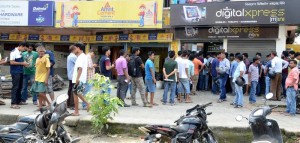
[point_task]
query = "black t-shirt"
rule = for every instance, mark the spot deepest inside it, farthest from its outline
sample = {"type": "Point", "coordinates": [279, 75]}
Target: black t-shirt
{"type": "Point", "coordinates": [138, 63]}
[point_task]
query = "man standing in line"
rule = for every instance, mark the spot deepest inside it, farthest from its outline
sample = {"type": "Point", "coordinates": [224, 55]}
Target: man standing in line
{"type": "Point", "coordinates": [71, 60]}
{"type": "Point", "coordinates": [291, 85]}
{"type": "Point", "coordinates": [266, 72]}
{"type": "Point", "coordinates": [214, 64]}
{"type": "Point", "coordinates": [30, 57]}
{"type": "Point", "coordinates": [150, 78]}
{"type": "Point", "coordinates": [239, 73]}
{"type": "Point", "coordinates": [169, 70]}
{"type": "Point", "coordinates": [79, 76]}
{"type": "Point", "coordinates": [183, 77]}
{"type": "Point", "coordinates": [16, 70]}
{"type": "Point", "coordinates": [233, 67]}
{"type": "Point", "coordinates": [247, 63]}
{"type": "Point", "coordinates": [285, 72]}
{"type": "Point", "coordinates": [253, 76]}
{"type": "Point", "coordinates": [224, 67]}
{"type": "Point", "coordinates": [198, 67]}
{"type": "Point", "coordinates": [105, 63]}
{"type": "Point", "coordinates": [41, 77]}
{"type": "Point", "coordinates": [292, 55]}
{"type": "Point", "coordinates": [123, 77]}
{"type": "Point", "coordinates": [277, 67]}
{"type": "Point", "coordinates": [137, 77]}
{"type": "Point", "coordinates": [2, 62]}
{"type": "Point", "coordinates": [90, 74]}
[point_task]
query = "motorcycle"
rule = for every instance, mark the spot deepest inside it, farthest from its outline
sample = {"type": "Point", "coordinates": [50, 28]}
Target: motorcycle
{"type": "Point", "coordinates": [49, 125]}
{"type": "Point", "coordinates": [13, 132]}
{"type": "Point", "coordinates": [190, 128]}
{"type": "Point", "coordinates": [264, 130]}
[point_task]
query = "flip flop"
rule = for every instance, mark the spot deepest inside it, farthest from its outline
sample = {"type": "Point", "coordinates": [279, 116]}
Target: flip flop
{"type": "Point", "coordinates": [15, 107]}
{"type": "Point", "coordinates": [2, 102]}
{"type": "Point", "coordinates": [155, 104]}
{"type": "Point", "coordinates": [23, 103]}
{"type": "Point", "coordinates": [75, 114]}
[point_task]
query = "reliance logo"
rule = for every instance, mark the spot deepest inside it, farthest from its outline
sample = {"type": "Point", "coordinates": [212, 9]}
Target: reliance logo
{"type": "Point", "coordinates": [40, 9]}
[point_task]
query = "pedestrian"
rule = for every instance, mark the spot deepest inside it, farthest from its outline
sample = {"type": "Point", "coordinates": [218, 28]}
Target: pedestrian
{"type": "Point", "coordinates": [297, 55]}
{"type": "Point", "coordinates": [291, 85]}
{"type": "Point", "coordinates": [30, 57]}
{"type": "Point", "coordinates": [16, 70]}
{"type": "Point", "coordinates": [260, 79]}
{"type": "Point", "coordinates": [292, 55]}
{"type": "Point", "coordinates": [183, 77]}
{"type": "Point", "coordinates": [207, 71]}
{"type": "Point", "coordinates": [79, 76]}
{"type": "Point", "coordinates": [169, 71]}
{"type": "Point", "coordinates": [233, 66]}
{"type": "Point", "coordinates": [285, 56]}
{"type": "Point", "coordinates": [198, 67]}
{"type": "Point", "coordinates": [224, 68]}
{"type": "Point", "coordinates": [191, 57]}
{"type": "Point", "coordinates": [105, 64]}
{"type": "Point", "coordinates": [150, 78]}
{"type": "Point", "coordinates": [41, 77]}
{"type": "Point", "coordinates": [239, 73]}
{"type": "Point", "coordinates": [2, 62]}
{"type": "Point", "coordinates": [123, 77]}
{"type": "Point", "coordinates": [130, 83]}
{"type": "Point", "coordinates": [266, 72]}
{"type": "Point", "coordinates": [135, 67]}
{"type": "Point", "coordinates": [50, 79]}
{"type": "Point", "coordinates": [277, 67]}
{"type": "Point", "coordinates": [215, 79]}
{"type": "Point", "coordinates": [71, 60]}
{"type": "Point", "coordinates": [247, 63]}
{"type": "Point", "coordinates": [90, 75]}
{"type": "Point", "coordinates": [253, 77]}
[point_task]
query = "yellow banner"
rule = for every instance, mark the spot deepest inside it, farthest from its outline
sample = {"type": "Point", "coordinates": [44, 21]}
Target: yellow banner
{"type": "Point", "coordinates": [77, 38]}
{"type": "Point", "coordinates": [49, 38]}
{"type": "Point", "coordinates": [165, 36]}
{"type": "Point", "coordinates": [110, 14]}
{"type": "Point", "coordinates": [166, 18]}
{"type": "Point", "coordinates": [138, 37]}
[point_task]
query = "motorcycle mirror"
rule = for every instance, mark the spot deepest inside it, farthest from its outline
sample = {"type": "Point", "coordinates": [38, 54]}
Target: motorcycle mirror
{"type": "Point", "coordinates": [62, 98]}
{"type": "Point", "coordinates": [239, 118]}
{"type": "Point", "coordinates": [269, 96]}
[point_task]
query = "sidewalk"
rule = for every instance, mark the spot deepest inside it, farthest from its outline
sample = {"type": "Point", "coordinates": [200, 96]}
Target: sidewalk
{"type": "Point", "coordinates": [223, 113]}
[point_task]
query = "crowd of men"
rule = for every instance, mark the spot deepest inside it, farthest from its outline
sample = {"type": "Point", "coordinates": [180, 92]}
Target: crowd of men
{"type": "Point", "coordinates": [184, 74]}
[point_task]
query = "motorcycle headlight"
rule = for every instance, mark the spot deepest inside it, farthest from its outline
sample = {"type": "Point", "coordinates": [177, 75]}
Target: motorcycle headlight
{"type": "Point", "coordinates": [258, 112]}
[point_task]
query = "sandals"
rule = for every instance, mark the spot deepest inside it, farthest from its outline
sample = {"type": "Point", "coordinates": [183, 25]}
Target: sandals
{"type": "Point", "coordinates": [15, 107]}
{"type": "Point", "coordinates": [75, 114]}
{"type": "Point", "coordinates": [2, 102]}
{"type": "Point", "coordinates": [23, 103]}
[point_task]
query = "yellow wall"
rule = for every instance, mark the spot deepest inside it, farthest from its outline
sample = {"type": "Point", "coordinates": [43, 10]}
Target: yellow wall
{"type": "Point", "coordinates": [293, 47]}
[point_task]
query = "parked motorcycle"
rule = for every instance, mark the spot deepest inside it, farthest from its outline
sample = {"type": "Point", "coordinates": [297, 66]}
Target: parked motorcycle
{"type": "Point", "coordinates": [49, 125]}
{"type": "Point", "coordinates": [264, 130]}
{"type": "Point", "coordinates": [190, 128]}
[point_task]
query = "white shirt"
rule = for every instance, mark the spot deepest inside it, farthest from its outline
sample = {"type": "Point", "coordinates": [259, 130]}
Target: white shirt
{"type": "Point", "coordinates": [82, 63]}
{"type": "Point", "coordinates": [182, 65]}
{"type": "Point", "coordinates": [277, 63]}
{"type": "Point", "coordinates": [15, 54]}
{"type": "Point", "coordinates": [225, 65]}
{"type": "Point", "coordinates": [241, 67]}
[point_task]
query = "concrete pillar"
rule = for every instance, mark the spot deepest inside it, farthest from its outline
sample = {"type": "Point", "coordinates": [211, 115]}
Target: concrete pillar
{"type": "Point", "coordinates": [281, 41]}
{"type": "Point", "coordinates": [225, 43]}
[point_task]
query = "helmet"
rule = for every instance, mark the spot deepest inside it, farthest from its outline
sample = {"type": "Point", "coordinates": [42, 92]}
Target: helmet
{"type": "Point", "coordinates": [41, 123]}
{"type": "Point", "coordinates": [240, 81]}
{"type": "Point", "coordinates": [271, 74]}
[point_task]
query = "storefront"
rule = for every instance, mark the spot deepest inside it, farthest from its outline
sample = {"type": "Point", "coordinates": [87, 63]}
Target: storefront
{"type": "Point", "coordinates": [244, 27]}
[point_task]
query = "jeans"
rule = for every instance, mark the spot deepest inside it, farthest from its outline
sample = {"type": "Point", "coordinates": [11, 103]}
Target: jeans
{"type": "Point", "coordinates": [232, 84]}
{"type": "Point", "coordinates": [169, 85]}
{"type": "Point", "coordinates": [122, 87]}
{"type": "Point", "coordinates": [291, 100]}
{"type": "Point", "coordinates": [87, 89]}
{"type": "Point", "coordinates": [129, 88]}
{"type": "Point", "coordinates": [239, 98]}
{"type": "Point", "coordinates": [215, 86]}
{"type": "Point", "coordinates": [200, 81]}
{"type": "Point", "coordinates": [27, 78]}
{"type": "Point", "coordinates": [259, 86]}
{"type": "Point", "coordinates": [252, 96]}
{"type": "Point", "coordinates": [70, 101]}
{"type": "Point", "coordinates": [17, 81]}
{"type": "Point", "coordinates": [268, 82]}
{"type": "Point", "coordinates": [206, 82]}
{"type": "Point", "coordinates": [284, 76]}
{"type": "Point", "coordinates": [138, 82]}
{"type": "Point", "coordinates": [223, 81]}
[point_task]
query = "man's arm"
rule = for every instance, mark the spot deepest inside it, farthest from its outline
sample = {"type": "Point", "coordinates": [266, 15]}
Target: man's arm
{"type": "Point", "coordinates": [153, 75]}
{"type": "Point", "coordinates": [79, 71]}
{"type": "Point", "coordinates": [13, 62]}
{"type": "Point", "coordinates": [48, 74]}
{"type": "Point", "coordinates": [187, 72]}
{"type": "Point", "coordinates": [286, 64]}
{"type": "Point", "coordinates": [108, 65]}
{"type": "Point", "coordinates": [165, 74]}
{"type": "Point", "coordinates": [201, 64]}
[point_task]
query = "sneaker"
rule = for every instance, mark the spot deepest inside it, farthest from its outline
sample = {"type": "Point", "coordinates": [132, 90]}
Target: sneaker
{"type": "Point", "coordinates": [164, 103]}
{"type": "Point", "coordinates": [147, 105]}
{"type": "Point", "coordinates": [238, 106]}
{"type": "Point", "coordinates": [126, 105]}
{"type": "Point", "coordinates": [232, 103]}
{"type": "Point", "coordinates": [35, 103]}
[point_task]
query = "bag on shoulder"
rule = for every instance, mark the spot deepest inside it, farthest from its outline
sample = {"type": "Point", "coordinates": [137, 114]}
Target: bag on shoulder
{"type": "Point", "coordinates": [132, 67]}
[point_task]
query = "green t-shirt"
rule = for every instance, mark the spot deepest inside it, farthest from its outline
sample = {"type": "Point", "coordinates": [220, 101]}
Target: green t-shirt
{"type": "Point", "coordinates": [31, 59]}
{"type": "Point", "coordinates": [169, 66]}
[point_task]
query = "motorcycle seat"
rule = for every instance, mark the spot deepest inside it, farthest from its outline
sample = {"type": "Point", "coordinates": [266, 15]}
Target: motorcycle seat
{"type": "Point", "coordinates": [19, 126]}
{"type": "Point", "coordinates": [179, 129]}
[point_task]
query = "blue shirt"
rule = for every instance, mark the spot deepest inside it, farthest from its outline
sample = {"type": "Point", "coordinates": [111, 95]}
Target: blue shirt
{"type": "Point", "coordinates": [70, 65]}
{"type": "Point", "coordinates": [15, 55]}
{"type": "Point", "coordinates": [149, 64]}
{"type": "Point", "coordinates": [233, 67]}
{"type": "Point", "coordinates": [52, 61]}
{"type": "Point", "coordinates": [214, 65]}
{"type": "Point", "coordinates": [268, 66]}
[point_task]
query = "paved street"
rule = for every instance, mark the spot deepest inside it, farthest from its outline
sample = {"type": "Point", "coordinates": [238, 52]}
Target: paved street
{"type": "Point", "coordinates": [223, 113]}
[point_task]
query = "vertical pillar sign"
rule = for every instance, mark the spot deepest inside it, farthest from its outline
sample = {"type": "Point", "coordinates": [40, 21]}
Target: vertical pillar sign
{"type": "Point", "coordinates": [175, 46]}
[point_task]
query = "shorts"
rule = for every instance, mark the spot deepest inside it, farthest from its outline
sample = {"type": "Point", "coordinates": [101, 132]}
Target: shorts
{"type": "Point", "coordinates": [50, 84]}
{"type": "Point", "coordinates": [78, 89]}
{"type": "Point", "coordinates": [150, 86]}
{"type": "Point", "coordinates": [183, 86]}
{"type": "Point", "coordinates": [38, 87]}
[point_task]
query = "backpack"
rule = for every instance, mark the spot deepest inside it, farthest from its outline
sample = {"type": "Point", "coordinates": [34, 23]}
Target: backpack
{"type": "Point", "coordinates": [132, 67]}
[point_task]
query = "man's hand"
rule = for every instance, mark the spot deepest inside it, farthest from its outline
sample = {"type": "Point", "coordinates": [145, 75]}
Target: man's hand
{"type": "Point", "coordinates": [95, 65]}
{"type": "Point", "coordinates": [113, 65]}
{"type": "Point", "coordinates": [154, 80]}
{"type": "Point", "coordinates": [25, 64]}
{"type": "Point", "coordinates": [166, 76]}
{"type": "Point", "coordinates": [77, 81]}
{"type": "Point", "coordinates": [46, 82]}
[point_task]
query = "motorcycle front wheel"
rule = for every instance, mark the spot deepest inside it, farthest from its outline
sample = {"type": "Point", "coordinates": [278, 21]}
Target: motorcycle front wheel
{"type": "Point", "coordinates": [209, 138]}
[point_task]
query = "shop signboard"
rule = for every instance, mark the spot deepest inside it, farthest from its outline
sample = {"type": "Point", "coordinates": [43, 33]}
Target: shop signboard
{"type": "Point", "coordinates": [110, 14]}
{"type": "Point", "coordinates": [26, 13]}
{"type": "Point", "coordinates": [34, 37]}
{"type": "Point", "coordinates": [4, 36]}
{"type": "Point", "coordinates": [222, 32]}
{"type": "Point", "coordinates": [236, 13]}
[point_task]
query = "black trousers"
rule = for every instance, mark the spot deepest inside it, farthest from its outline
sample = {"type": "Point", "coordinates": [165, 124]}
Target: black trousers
{"type": "Point", "coordinates": [122, 88]}
{"type": "Point", "coordinates": [70, 101]}
{"type": "Point", "coordinates": [17, 81]}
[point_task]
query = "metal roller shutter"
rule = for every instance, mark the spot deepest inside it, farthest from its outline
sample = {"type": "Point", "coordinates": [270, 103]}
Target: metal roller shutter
{"type": "Point", "coordinates": [251, 47]}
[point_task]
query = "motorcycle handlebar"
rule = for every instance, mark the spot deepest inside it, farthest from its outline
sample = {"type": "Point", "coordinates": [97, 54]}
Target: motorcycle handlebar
{"type": "Point", "coordinates": [274, 107]}
{"type": "Point", "coordinates": [197, 107]}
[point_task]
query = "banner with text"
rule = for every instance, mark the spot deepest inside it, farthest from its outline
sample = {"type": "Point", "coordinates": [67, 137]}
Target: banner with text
{"type": "Point", "coordinates": [110, 14]}
{"type": "Point", "coordinates": [236, 13]}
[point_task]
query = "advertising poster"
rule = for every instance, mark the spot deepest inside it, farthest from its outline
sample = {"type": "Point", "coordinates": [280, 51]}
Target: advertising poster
{"type": "Point", "coordinates": [14, 13]}
{"type": "Point", "coordinates": [110, 14]}
{"type": "Point", "coordinates": [236, 13]}
{"type": "Point", "coordinates": [41, 13]}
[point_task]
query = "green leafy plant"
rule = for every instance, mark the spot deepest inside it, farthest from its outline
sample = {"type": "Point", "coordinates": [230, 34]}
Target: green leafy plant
{"type": "Point", "coordinates": [103, 106]}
